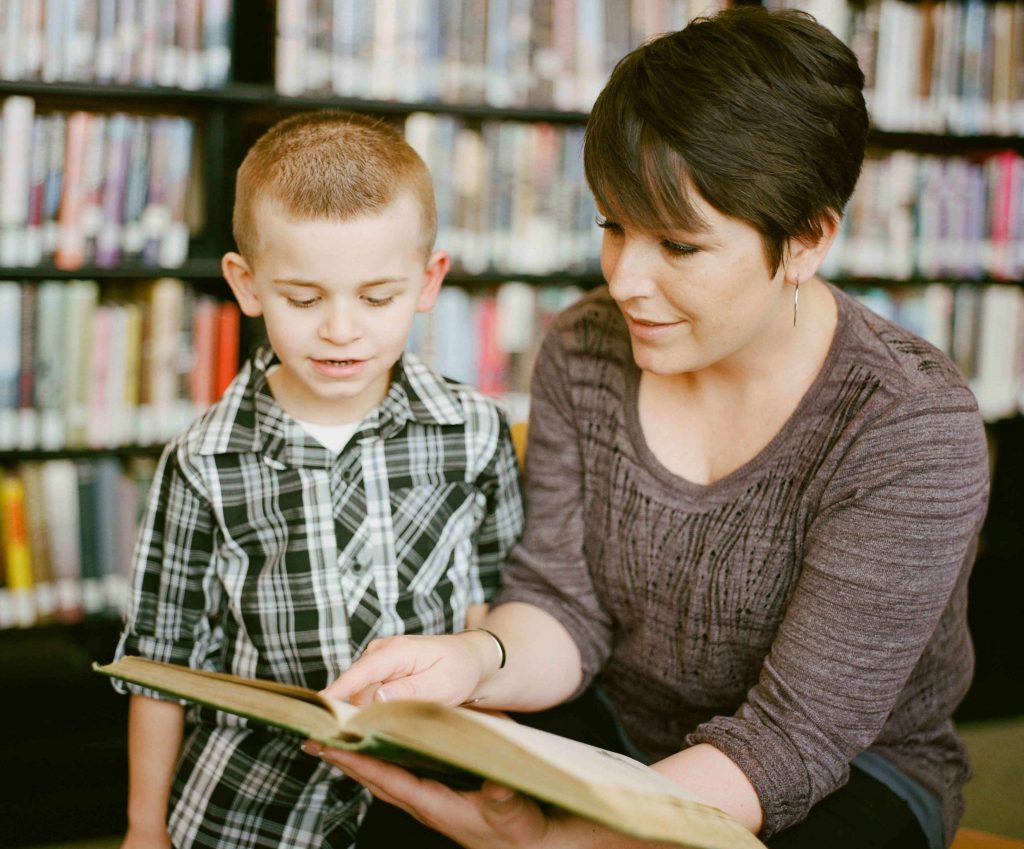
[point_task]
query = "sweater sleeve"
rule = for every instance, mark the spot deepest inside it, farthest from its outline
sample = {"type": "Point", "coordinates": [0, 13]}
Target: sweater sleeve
{"type": "Point", "coordinates": [893, 535]}
{"type": "Point", "coordinates": [548, 567]}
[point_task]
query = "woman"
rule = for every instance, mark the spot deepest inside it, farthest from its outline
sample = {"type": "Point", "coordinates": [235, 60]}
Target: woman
{"type": "Point", "coordinates": [752, 505]}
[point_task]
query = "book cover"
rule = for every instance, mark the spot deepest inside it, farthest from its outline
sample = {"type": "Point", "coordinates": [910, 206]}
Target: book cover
{"type": "Point", "coordinates": [463, 746]}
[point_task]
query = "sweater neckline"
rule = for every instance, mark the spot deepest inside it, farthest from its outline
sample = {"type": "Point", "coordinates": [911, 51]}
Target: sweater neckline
{"type": "Point", "coordinates": [678, 484]}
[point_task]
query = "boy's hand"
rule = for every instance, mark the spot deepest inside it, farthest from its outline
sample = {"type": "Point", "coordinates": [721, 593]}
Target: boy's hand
{"type": "Point", "coordinates": [446, 669]}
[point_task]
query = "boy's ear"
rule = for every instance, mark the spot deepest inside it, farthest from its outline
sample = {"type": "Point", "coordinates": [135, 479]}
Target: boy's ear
{"type": "Point", "coordinates": [437, 267]}
{"type": "Point", "coordinates": [239, 276]}
{"type": "Point", "coordinates": [803, 258]}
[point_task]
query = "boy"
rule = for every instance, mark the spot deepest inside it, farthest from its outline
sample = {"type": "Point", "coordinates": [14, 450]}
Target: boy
{"type": "Point", "coordinates": [339, 491]}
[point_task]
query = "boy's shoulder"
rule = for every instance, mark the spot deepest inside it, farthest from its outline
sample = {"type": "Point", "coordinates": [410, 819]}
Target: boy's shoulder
{"type": "Point", "coordinates": [229, 424]}
{"type": "Point", "coordinates": [434, 397]}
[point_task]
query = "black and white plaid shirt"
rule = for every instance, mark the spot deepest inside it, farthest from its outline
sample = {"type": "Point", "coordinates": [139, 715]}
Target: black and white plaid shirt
{"type": "Point", "coordinates": [262, 554]}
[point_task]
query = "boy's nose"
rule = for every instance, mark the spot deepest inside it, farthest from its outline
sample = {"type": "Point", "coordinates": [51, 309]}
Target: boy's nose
{"type": "Point", "coordinates": [339, 327]}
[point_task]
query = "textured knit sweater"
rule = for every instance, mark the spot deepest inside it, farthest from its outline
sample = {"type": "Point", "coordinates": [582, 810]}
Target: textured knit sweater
{"type": "Point", "coordinates": [808, 606]}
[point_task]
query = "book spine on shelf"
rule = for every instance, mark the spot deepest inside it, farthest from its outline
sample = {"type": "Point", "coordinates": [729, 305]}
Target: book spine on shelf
{"type": "Point", "coordinates": [27, 422]}
{"type": "Point", "coordinates": [228, 329]}
{"type": "Point", "coordinates": [217, 17]}
{"type": "Point", "coordinates": [17, 555]}
{"type": "Point", "coordinates": [60, 488]}
{"type": "Point", "coordinates": [10, 355]}
{"type": "Point", "coordinates": [16, 119]}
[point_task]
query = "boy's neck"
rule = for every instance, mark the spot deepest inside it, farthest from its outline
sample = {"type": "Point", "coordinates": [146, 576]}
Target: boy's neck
{"type": "Point", "coordinates": [324, 411]}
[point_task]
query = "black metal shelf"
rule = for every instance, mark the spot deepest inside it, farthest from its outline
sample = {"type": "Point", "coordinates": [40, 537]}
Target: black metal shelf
{"type": "Point", "coordinates": [847, 281]}
{"type": "Point", "coordinates": [11, 456]}
{"type": "Point", "coordinates": [198, 268]}
{"type": "Point", "coordinates": [948, 144]}
{"type": "Point", "coordinates": [264, 95]}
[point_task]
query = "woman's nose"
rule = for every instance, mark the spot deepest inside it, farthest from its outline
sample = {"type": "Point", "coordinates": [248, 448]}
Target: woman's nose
{"type": "Point", "coordinates": [626, 267]}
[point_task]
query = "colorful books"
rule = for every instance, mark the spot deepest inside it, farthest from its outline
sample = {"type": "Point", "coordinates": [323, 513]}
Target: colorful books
{"type": "Point", "coordinates": [179, 44]}
{"type": "Point", "coordinates": [83, 188]}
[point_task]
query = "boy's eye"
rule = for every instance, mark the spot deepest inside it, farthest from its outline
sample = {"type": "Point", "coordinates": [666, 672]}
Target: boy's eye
{"type": "Point", "coordinates": [605, 224]}
{"type": "Point", "coordinates": [379, 302]}
{"type": "Point", "coordinates": [302, 304]}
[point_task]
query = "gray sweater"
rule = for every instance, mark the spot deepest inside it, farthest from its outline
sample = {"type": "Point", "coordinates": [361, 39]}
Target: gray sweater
{"type": "Point", "coordinates": [808, 606]}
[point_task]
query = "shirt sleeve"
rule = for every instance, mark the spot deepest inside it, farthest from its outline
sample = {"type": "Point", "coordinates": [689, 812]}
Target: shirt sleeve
{"type": "Point", "coordinates": [172, 592]}
{"type": "Point", "coordinates": [503, 517]}
{"type": "Point", "coordinates": [548, 568]}
{"type": "Point", "coordinates": [894, 535]}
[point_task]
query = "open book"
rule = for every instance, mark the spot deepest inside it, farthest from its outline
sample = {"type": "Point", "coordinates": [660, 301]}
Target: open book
{"type": "Point", "coordinates": [455, 743]}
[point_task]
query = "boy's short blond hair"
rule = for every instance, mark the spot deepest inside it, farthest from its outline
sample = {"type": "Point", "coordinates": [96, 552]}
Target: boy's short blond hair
{"type": "Point", "coordinates": [329, 165]}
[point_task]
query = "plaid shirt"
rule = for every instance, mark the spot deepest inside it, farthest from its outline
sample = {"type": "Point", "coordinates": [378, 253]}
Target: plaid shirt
{"type": "Point", "coordinates": [262, 554]}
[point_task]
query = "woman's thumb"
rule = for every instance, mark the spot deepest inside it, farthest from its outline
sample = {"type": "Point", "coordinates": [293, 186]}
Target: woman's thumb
{"type": "Point", "coordinates": [511, 814]}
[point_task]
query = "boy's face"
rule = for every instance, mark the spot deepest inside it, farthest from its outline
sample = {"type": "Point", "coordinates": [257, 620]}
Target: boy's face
{"type": "Point", "coordinates": [338, 300]}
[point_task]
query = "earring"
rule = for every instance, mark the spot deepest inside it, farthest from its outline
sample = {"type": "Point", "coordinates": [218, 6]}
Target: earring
{"type": "Point", "coordinates": [796, 300]}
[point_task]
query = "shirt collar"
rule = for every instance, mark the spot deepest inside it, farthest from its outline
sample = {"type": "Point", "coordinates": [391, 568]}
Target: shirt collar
{"type": "Point", "coordinates": [258, 424]}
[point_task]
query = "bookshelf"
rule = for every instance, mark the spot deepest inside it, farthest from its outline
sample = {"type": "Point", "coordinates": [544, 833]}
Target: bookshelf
{"type": "Point", "coordinates": [485, 107]}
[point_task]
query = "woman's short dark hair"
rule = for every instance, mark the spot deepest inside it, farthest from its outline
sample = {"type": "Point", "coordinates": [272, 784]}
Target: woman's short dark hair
{"type": "Point", "coordinates": [762, 111]}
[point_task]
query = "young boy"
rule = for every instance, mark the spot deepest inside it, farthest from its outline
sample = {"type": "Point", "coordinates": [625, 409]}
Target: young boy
{"type": "Point", "coordinates": [339, 491]}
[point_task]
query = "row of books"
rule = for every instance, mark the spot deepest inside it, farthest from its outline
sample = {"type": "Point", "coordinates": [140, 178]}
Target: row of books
{"type": "Point", "coordinates": [928, 216]}
{"type": "Point", "coordinates": [506, 53]}
{"type": "Point", "coordinates": [943, 66]}
{"type": "Point", "coordinates": [128, 363]}
{"type": "Point", "coordinates": [500, 330]}
{"type": "Point", "coordinates": [510, 195]}
{"type": "Point", "coordinates": [86, 188]}
{"type": "Point", "coordinates": [67, 531]}
{"type": "Point", "coordinates": [981, 327]}
{"type": "Point", "coordinates": [180, 43]}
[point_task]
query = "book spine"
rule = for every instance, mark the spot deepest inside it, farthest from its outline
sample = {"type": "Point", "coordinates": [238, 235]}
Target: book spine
{"type": "Point", "coordinates": [228, 328]}
{"type": "Point", "coordinates": [17, 556]}
{"type": "Point", "coordinates": [216, 42]}
{"type": "Point", "coordinates": [16, 116]}
{"type": "Point", "coordinates": [10, 355]}
{"type": "Point", "coordinates": [60, 488]}
{"type": "Point", "coordinates": [28, 425]}
{"type": "Point", "coordinates": [70, 248]}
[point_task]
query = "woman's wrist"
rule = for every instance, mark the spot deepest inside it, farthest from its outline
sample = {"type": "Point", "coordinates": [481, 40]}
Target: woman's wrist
{"type": "Point", "coordinates": [488, 649]}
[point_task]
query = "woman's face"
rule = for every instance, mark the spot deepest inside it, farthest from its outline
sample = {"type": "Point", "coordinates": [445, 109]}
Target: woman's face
{"type": "Point", "coordinates": [694, 300]}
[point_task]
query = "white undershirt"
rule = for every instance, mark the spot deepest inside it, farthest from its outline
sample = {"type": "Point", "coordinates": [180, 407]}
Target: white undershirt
{"type": "Point", "coordinates": [331, 437]}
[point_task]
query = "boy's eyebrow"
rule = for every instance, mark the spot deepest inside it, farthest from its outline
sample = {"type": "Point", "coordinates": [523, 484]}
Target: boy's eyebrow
{"type": "Point", "coordinates": [310, 284]}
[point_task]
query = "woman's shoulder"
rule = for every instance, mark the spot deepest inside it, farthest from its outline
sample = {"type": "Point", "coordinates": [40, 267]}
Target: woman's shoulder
{"type": "Point", "coordinates": [902, 364]}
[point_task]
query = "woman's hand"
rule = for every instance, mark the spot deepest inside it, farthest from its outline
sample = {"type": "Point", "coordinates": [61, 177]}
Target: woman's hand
{"type": "Point", "coordinates": [493, 817]}
{"type": "Point", "coordinates": [446, 669]}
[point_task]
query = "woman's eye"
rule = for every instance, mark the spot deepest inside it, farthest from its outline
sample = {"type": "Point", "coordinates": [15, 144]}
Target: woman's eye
{"type": "Point", "coordinates": [605, 224]}
{"type": "Point", "coordinates": [678, 248]}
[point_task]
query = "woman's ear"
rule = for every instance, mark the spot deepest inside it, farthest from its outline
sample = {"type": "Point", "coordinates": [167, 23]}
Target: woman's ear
{"type": "Point", "coordinates": [239, 276]}
{"type": "Point", "coordinates": [804, 257]}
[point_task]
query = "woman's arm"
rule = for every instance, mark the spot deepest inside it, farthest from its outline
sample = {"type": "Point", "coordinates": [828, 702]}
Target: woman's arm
{"type": "Point", "coordinates": [542, 665]}
{"type": "Point", "coordinates": [155, 733]}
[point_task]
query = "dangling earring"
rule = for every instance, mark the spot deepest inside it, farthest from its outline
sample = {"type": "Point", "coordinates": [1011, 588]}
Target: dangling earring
{"type": "Point", "coordinates": [796, 300]}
